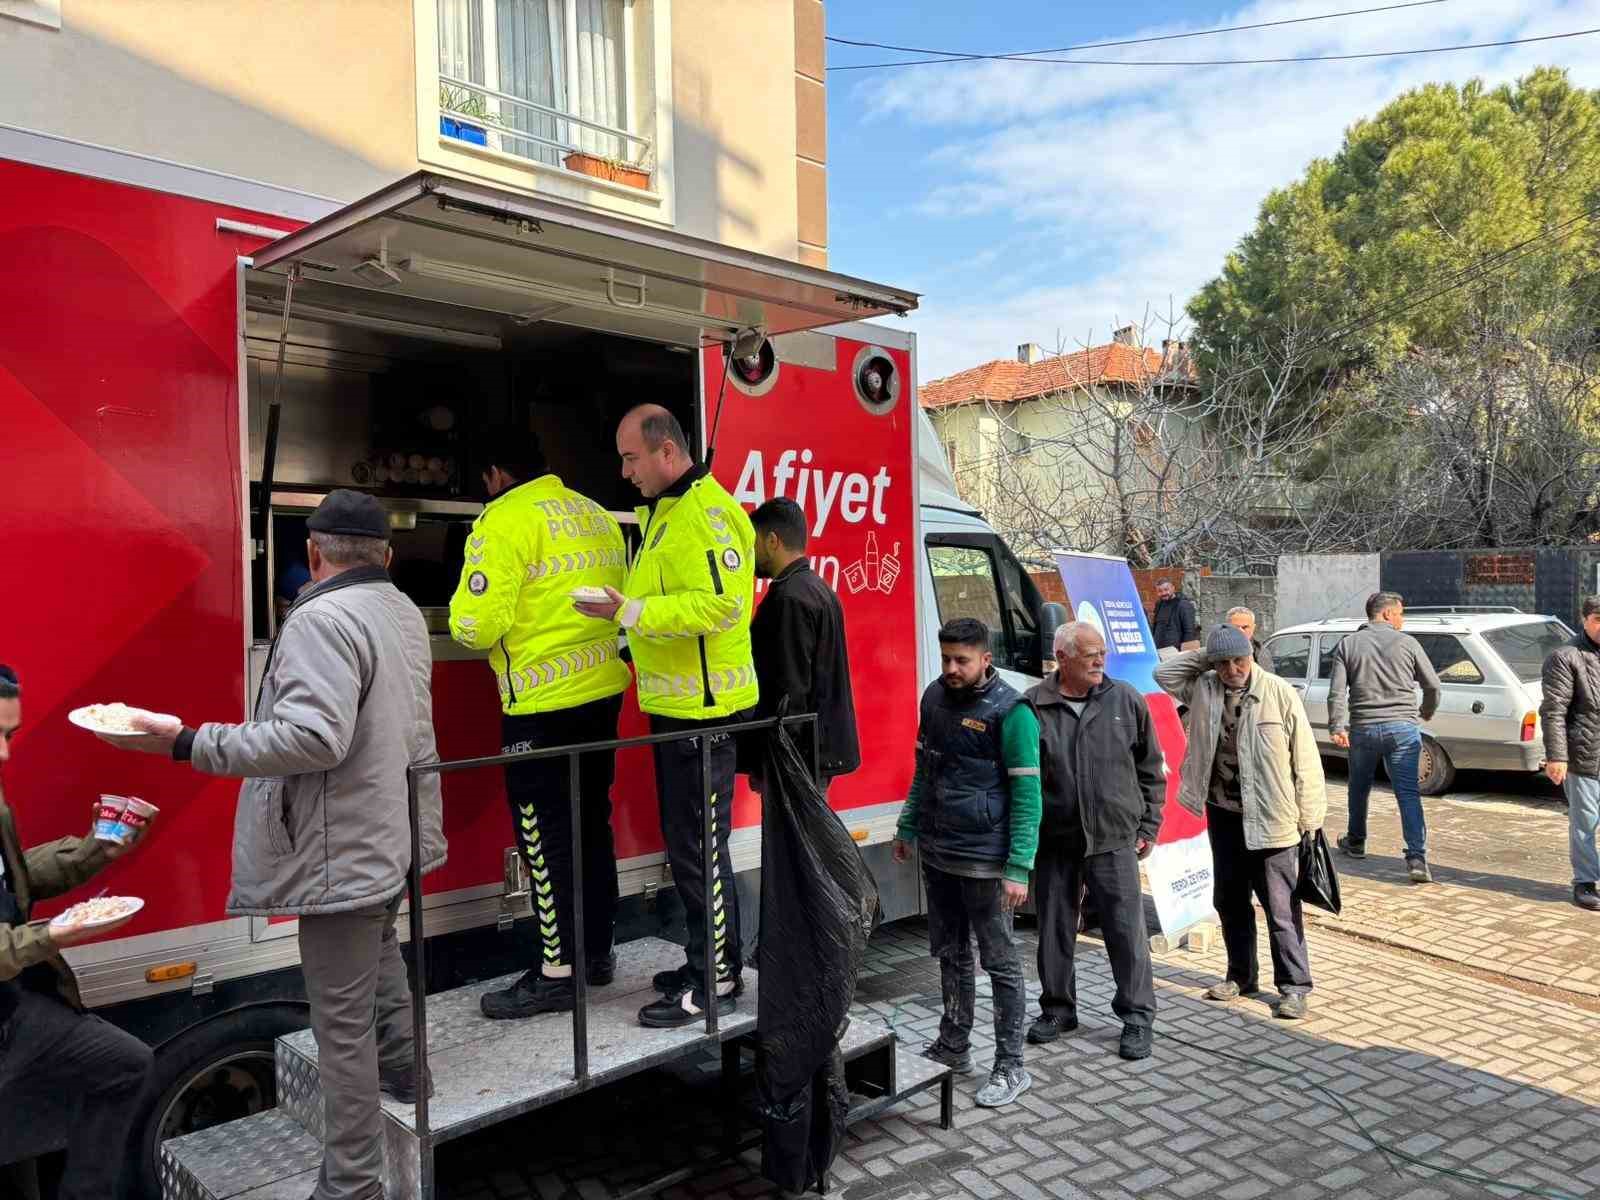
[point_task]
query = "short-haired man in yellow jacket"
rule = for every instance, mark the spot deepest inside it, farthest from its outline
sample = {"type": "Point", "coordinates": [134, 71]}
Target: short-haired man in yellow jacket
{"type": "Point", "coordinates": [686, 608]}
{"type": "Point", "coordinates": [561, 680]}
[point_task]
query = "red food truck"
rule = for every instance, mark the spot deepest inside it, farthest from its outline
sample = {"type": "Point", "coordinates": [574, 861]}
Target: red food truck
{"type": "Point", "coordinates": [168, 426]}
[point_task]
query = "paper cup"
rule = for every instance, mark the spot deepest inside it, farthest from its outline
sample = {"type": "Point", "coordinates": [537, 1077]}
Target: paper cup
{"type": "Point", "coordinates": [108, 825]}
{"type": "Point", "coordinates": [135, 817]}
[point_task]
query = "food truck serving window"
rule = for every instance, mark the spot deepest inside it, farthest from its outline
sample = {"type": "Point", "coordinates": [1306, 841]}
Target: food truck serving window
{"type": "Point", "coordinates": [452, 242]}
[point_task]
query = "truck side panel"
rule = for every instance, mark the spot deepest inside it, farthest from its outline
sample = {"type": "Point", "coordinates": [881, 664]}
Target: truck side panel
{"type": "Point", "coordinates": [852, 469]}
{"type": "Point", "coordinates": [121, 484]}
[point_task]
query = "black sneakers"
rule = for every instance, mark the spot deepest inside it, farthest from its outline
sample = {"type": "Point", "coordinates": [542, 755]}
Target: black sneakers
{"type": "Point", "coordinates": [671, 982]}
{"type": "Point", "coordinates": [1585, 896]}
{"type": "Point", "coordinates": [601, 971]}
{"type": "Point", "coordinates": [959, 1061]}
{"type": "Point", "coordinates": [1135, 1042]}
{"type": "Point", "coordinates": [1355, 849]}
{"type": "Point", "coordinates": [1048, 1028]}
{"type": "Point", "coordinates": [527, 997]}
{"type": "Point", "coordinates": [402, 1084]}
{"type": "Point", "coordinates": [684, 1008]}
{"type": "Point", "coordinates": [1418, 869]}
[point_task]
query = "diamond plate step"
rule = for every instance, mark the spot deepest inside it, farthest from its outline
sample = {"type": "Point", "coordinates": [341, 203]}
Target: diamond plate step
{"type": "Point", "coordinates": [264, 1157]}
{"type": "Point", "coordinates": [485, 1072]}
{"type": "Point", "coordinates": [488, 1071]}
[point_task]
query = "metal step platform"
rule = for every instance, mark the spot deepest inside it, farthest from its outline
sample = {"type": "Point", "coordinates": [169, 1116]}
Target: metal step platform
{"type": "Point", "coordinates": [487, 1071]}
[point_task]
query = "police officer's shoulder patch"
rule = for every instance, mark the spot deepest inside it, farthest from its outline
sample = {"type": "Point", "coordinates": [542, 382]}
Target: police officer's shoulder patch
{"type": "Point", "coordinates": [730, 559]}
{"type": "Point", "coordinates": [477, 583]}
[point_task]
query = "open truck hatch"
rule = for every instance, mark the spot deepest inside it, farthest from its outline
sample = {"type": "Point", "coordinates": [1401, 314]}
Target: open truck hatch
{"type": "Point", "coordinates": [441, 240]}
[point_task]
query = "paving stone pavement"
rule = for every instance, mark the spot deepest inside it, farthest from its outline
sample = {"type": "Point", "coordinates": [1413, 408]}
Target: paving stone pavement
{"type": "Point", "coordinates": [1501, 900]}
{"type": "Point", "coordinates": [1464, 1074]}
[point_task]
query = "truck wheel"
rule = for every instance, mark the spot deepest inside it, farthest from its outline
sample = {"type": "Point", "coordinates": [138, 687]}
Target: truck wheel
{"type": "Point", "coordinates": [1435, 771]}
{"type": "Point", "coordinates": [216, 1072]}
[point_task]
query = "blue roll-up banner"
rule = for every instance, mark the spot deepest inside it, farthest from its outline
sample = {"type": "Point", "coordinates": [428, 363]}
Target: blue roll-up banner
{"type": "Point", "coordinates": [1101, 590]}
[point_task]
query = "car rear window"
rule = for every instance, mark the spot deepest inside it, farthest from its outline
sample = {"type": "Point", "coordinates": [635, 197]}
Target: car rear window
{"type": "Point", "coordinates": [1525, 647]}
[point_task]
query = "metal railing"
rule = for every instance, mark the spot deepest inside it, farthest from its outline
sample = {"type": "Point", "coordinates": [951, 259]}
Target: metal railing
{"type": "Point", "coordinates": [573, 754]}
{"type": "Point", "coordinates": [625, 140]}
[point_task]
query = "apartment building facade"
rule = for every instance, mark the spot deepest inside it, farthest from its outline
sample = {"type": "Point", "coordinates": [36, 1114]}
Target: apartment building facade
{"type": "Point", "coordinates": [706, 117]}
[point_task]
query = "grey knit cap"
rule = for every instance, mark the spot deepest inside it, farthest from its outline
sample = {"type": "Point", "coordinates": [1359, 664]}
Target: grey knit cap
{"type": "Point", "coordinates": [1227, 641]}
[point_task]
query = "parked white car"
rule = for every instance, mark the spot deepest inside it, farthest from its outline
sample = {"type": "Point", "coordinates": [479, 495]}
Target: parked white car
{"type": "Point", "coordinates": [1489, 662]}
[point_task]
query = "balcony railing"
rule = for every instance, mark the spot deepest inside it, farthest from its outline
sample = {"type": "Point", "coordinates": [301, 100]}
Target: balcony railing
{"type": "Point", "coordinates": [475, 113]}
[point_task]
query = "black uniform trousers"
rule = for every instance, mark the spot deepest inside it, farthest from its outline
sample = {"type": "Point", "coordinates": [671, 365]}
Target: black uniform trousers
{"type": "Point", "coordinates": [541, 815]}
{"type": "Point", "coordinates": [682, 794]}
{"type": "Point", "coordinates": [1271, 875]}
{"type": "Point", "coordinates": [1061, 874]}
{"type": "Point", "coordinates": [53, 1059]}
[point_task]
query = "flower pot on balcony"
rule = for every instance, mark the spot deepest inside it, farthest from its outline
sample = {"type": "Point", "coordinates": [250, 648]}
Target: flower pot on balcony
{"type": "Point", "coordinates": [450, 127]}
{"type": "Point", "coordinates": [608, 169]}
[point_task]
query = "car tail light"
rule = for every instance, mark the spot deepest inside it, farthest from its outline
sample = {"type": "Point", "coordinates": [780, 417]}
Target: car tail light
{"type": "Point", "coordinates": [1530, 722]}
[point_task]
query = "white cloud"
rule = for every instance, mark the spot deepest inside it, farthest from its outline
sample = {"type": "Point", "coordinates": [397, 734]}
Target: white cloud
{"type": "Point", "coordinates": [1154, 174]}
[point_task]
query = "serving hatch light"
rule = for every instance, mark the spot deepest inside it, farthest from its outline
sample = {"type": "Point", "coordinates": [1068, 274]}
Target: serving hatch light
{"type": "Point", "coordinates": [449, 272]}
{"type": "Point", "coordinates": [411, 329]}
{"type": "Point", "coordinates": [628, 294]}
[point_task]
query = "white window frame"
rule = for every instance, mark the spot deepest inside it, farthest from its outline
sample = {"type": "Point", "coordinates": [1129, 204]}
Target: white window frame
{"type": "Point", "coordinates": [33, 12]}
{"type": "Point", "coordinates": [647, 75]}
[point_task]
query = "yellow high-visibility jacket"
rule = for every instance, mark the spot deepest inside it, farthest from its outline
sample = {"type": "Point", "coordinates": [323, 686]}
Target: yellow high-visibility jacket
{"type": "Point", "coordinates": [691, 590]}
{"type": "Point", "coordinates": [528, 549]}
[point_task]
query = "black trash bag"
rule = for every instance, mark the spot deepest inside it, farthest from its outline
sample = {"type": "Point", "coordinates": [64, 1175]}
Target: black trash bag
{"type": "Point", "coordinates": [1319, 882]}
{"type": "Point", "coordinates": [819, 905]}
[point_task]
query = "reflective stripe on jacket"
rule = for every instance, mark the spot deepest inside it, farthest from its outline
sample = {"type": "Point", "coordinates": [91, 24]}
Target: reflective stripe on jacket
{"type": "Point", "coordinates": [693, 587]}
{"type": "Point", "coordinates": [529, 548]}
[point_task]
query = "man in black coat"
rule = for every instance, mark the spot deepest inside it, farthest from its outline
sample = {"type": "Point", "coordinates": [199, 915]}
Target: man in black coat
{"type": "Point", "coordinates": [1175, 624]}
{"type": "Point", "coordinates": [797, 640]}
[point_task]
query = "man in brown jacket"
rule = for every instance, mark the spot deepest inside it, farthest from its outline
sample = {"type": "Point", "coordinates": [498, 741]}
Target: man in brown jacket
{"type": "Point", "coordinates": [55, 1058]}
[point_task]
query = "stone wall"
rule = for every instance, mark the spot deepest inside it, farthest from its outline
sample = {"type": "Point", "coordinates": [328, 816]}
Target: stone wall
{"type": "Point", "coordinates": [1214, 595]}
{"type": "Point", "coordinates": [1314, 587]}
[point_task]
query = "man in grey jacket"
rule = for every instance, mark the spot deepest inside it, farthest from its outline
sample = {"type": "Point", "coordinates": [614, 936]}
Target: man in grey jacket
{"type": "Point", "coordinates": [322, 831]}
{"type": "Point", "coordinates": [1373, 712]}
{"type": "Point", "coordinates": [1253, 771]}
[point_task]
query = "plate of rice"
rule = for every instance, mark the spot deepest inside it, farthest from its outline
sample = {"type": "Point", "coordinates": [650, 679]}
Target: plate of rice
{"type": "Point", "coordinates": [102, 910]}
{"type": "Point", "coordinates": [111, 721]}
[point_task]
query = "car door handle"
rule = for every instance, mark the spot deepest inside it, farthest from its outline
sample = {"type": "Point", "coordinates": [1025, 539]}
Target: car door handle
{"type": "Point", "coordinates": [1477, 706]}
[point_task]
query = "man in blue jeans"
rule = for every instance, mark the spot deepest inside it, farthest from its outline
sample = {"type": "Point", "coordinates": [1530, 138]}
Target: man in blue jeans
{"type": "Point", "coordinates": [1373, 712]}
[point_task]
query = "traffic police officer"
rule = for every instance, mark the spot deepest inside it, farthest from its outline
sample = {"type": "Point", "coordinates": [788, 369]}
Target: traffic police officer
{"type": "Point", "coordinates": [561, 681]}
{"type": "Point", "coordinates": [686, 608]}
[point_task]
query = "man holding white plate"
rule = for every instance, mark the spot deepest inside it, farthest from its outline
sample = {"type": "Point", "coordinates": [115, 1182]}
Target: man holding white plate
{"type": "Point", "coordinates": [51, 1049]}
{"type": "Point", "coordinates": [322, 831]}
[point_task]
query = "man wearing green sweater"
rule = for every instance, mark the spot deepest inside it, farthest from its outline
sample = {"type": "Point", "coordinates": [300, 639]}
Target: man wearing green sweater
{"type": "Point", "coordinates": [973, 813]}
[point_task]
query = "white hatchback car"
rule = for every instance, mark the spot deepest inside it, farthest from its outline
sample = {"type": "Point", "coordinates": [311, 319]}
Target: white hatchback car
{"type": "Point", "coordinates": [1489, 662]}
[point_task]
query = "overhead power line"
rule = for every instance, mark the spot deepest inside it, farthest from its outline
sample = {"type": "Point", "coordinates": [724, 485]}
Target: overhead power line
{"type": "Point", "coordinates": [1245, 62]}
{"type": "Point", "coordinates": [961, 56]}
{"type": "Point", "coordinates": [1458, 278]}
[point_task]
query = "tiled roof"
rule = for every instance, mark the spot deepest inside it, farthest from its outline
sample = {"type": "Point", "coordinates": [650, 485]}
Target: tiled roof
{"type": "Point", "coordinates": [1005, 380]}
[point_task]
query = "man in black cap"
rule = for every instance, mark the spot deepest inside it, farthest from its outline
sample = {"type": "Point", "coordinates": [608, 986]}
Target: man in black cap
{"type": "Point", "coordinates": [322, 830]}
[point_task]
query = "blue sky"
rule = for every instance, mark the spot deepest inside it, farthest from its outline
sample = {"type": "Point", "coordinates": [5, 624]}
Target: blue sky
{"type": "Point", "coordinates": [1047, 203]}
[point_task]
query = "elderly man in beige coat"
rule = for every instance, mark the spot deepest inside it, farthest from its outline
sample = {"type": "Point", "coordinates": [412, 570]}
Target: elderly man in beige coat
{"type": "Point", "coordinates": [1253, 769]}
